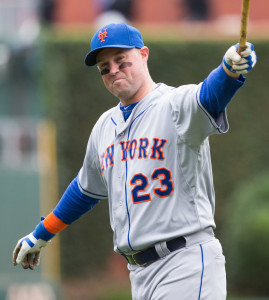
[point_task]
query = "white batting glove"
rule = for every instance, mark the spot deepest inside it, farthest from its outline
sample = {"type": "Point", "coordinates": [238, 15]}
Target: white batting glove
{"type": "Point", "coordinates": [240, 63]}
{"type": "Point", "coordinates": [27, 251]}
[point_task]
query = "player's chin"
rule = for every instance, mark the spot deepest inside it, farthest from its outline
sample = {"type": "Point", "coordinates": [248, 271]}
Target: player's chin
{"type": "Point", "coordinates": [120, 91]}
{"type": "Point", "coordinates": [119, 85]}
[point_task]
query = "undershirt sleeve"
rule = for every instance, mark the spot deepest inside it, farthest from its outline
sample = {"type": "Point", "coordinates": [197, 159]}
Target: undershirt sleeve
{"type": "Point", "coordinates": [73, 204]}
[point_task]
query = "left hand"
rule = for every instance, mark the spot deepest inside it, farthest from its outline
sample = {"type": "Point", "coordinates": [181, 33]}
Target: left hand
{"type": "Point", "coordinates": [240, 63]}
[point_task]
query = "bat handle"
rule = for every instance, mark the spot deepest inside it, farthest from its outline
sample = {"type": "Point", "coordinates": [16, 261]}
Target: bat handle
{"type": "Point", "coordinates": [244, 25]}
{"type": "Point", "coordinates": [242, 44]}
{"type": "Point", "coordinates": [241, 48]}
{"type": "Point", "coordinates": [243, 36]}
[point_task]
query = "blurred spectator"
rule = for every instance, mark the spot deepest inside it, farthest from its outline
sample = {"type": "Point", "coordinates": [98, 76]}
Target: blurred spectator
{"type": "Point", "coordinates": [123, 7]}
{"type": "Point", "coordinates": [197, 10]}
{"type": "Point", "coordinates": [46, 11]}
{"type": "Point", "coordinates": [26, 144]}
{"type": "Point", "coordinates": [113, 11]}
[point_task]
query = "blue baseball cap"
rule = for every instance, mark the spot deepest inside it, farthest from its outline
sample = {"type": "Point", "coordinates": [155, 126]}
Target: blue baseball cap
{"type": "Point", "coordinates": [113, 36]}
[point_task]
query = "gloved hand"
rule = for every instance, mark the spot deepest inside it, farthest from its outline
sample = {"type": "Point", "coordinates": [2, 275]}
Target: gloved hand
{"type": "Point", "coordinates": [240, 64]}
{"type": "Point", "coordinates": [27, 250]}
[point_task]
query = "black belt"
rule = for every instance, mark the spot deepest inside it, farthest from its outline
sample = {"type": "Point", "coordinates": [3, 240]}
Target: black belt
{"type": "Point", "coordinates": [150, 255]}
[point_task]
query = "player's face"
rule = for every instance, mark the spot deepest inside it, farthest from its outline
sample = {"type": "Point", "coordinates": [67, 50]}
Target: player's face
{"type": "Point", "coordinates": [123, 72]}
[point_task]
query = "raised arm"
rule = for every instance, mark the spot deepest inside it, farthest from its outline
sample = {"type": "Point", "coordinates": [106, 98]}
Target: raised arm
{"type": "Point", "coordinates": [222, 83]}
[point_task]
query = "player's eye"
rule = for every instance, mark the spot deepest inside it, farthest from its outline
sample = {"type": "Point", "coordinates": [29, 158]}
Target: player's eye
{"type": "Point", "coordinates": [104, 71]}
{"type": "Point", "coordinates": [120, 58]}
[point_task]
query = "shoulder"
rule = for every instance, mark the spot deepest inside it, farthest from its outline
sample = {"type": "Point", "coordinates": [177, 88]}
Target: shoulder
{"type": "Point", "coordinates": [105, 118]}
{"type": "Point", "coordinates": [186, 89]}
{"type": "Point", "coordinates": [176, 95]}
{"type": "Point", "coordinates": [179, 90]}
{"type": "Point", "coordinates": [186, 92]}
{"type": "Point", "coordinates": [106, 115]}
{"type": "Point", "coordinates": [100, 129]}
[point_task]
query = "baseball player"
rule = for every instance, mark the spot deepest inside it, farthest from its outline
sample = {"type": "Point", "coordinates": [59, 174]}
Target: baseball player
{"type": "Point", "coordinates": [150, 157]}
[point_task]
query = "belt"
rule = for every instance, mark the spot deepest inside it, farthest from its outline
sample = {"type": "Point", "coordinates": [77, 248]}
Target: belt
{"type": "Point", "coordinates": [150, 255]}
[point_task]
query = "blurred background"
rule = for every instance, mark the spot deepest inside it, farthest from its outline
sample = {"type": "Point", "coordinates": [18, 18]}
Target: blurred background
{"type": "Point", "coordinates": [49, 101]}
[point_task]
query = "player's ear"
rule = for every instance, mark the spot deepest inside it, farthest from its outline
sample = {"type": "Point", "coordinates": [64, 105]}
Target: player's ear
{"type": "Point", "coordinates": [144, 52]}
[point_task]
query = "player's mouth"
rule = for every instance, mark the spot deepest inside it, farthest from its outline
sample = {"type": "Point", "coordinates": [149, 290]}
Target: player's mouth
{"type": "Point", "coordinates": [117, 80]}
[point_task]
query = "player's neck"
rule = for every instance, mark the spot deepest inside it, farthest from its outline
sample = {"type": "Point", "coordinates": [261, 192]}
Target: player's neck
{"type": "Point", "coordinates": [141, 93]}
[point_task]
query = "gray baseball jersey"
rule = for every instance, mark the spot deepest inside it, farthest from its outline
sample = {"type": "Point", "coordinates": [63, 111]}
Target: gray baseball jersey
{"type": "Point", "coordinates": [155, 168]}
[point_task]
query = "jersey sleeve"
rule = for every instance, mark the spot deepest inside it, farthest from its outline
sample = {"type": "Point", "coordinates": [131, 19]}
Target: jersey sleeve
{"type": "Point", "coordinates": [193, 123]}
{"type": "Point", "coordinates": [197, 114]}
{"type": "Point", "coordinates": [90, 180]}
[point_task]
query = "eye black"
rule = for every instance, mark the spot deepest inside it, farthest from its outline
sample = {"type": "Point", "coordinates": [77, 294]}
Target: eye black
{"type": "Point", "coordinates": [104, 71]}
{"type": "Point", "coordinates": [125, 65]}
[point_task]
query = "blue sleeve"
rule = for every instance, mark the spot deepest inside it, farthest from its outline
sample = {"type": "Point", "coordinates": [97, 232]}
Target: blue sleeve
{"type": "Point", "coordinates": [218, 90]}
{"type": "Point", "coordinates": [41, 232]}
{"type": "Point", "coordinates": [73, 204]}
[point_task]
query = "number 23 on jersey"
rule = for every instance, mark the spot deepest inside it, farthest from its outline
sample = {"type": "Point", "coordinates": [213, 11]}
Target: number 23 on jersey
{"type": "Point", "coordinates": [141, 183]}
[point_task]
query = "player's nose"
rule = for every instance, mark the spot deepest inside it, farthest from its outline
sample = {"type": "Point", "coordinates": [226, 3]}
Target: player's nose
{"type": "Point", "coordinates": [114, 68]}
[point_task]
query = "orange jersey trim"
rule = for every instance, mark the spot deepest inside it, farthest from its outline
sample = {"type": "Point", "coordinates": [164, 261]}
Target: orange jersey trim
{"type": "Point", "coordinates": [54, 224]}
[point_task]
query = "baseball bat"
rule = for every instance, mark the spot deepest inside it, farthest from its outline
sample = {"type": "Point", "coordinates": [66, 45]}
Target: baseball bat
{"type": "Point", "coordinates": [244, 25]}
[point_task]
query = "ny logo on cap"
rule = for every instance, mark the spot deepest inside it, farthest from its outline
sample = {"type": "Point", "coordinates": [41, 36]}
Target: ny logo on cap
{"type": "Point", "coordinates": [102, 35]}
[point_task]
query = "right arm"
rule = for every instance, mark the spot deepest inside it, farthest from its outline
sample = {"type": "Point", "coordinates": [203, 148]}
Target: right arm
{"type": "Point", "coordinates": [72, 206]}
{"type": "Point", "coordinates": [86, 190]}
